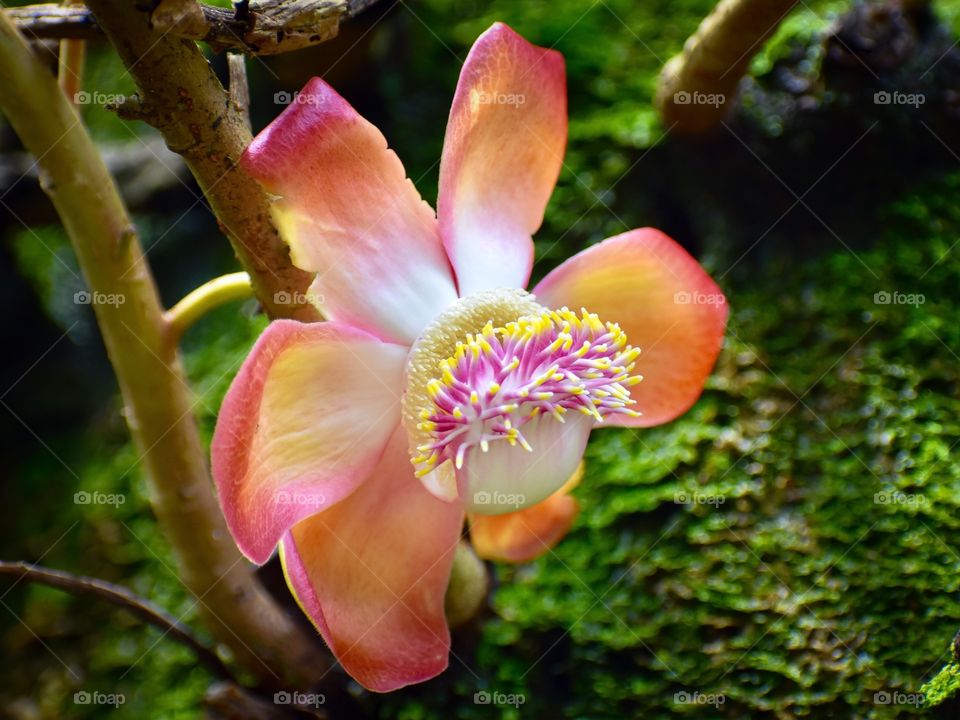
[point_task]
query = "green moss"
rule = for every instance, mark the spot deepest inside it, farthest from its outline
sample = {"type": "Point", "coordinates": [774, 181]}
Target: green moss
{"type": "Point", "coordinates": [800, 29]}
{"type": "Point", "coordinates": [943, 687]}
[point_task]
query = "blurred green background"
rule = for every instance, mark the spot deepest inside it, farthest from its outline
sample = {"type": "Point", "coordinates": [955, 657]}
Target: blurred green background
{"type": "Point", "coordinates": [822, 578]}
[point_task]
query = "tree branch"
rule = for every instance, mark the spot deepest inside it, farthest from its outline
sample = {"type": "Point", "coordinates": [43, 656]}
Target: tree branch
{"type": "Point", "coordinates": [183, 99]}
{"type": "Point", "coordinates": [158, 402]}
{"type": "Point", "coordinates": [123, 598]}
{"type": "Point", "coordinates": [697, 88]}
{"type": "Point", "coordinates": [262, 27]}
{"type": "Point", "coordinates": [51, 21]}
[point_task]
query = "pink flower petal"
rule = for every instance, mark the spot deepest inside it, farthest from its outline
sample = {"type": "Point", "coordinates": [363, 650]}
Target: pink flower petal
{"type": "Point", "coordinates": [501, 157]}
{"type": "Point", "coordinates": [372, 571]}
{"type": "Point", "coordinates": [305, 421]}
{"type": "Point", "coordinates": [664, 301]}
{"type": "Point", "coordinates": [350, 214]}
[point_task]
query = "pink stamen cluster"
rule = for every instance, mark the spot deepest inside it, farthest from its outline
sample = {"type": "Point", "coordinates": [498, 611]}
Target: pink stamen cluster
{"type": "Point", "coordinates": [502, 378]}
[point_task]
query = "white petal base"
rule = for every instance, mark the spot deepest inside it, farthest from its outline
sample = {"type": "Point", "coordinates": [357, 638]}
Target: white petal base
{"type": "Point", "coordinates": [507, 478]}
{"type": "Point", "coordinates": [441, 483]}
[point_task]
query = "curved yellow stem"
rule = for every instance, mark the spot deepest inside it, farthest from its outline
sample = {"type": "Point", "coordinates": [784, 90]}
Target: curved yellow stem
{"type": "Point", "coordinates": [210, 295]}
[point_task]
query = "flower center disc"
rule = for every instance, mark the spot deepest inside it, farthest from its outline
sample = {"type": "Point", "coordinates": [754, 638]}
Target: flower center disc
{"type": "Point", "coordinates": [439, 342]}
{"type": "Point", "coordinates": [496, 361]}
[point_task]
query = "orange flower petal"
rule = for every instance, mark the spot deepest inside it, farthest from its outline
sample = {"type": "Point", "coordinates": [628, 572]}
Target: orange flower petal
{"type": "Point", "coordinates": [524, 535]}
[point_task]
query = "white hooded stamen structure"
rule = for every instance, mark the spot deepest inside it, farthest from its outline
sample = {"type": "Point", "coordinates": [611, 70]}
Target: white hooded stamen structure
{"type": "Point", "coordinates": [502, 378]}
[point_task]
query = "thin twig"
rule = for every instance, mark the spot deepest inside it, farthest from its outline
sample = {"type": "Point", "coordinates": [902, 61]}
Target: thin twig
{"type": "Point", "coordinates": [51, 21]}
{"type": "Point", "coordinates": [71, 61]}
{"type": "Point", "coordinates": [120, 597]}
{"type": "Point", "coordinates": [72, 58]}
{"type": "Point", "coordinates": [239, 89]}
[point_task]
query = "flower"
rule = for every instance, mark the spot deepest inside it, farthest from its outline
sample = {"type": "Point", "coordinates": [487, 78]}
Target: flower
{"type": "Point", "coordinates": [434, 363]}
